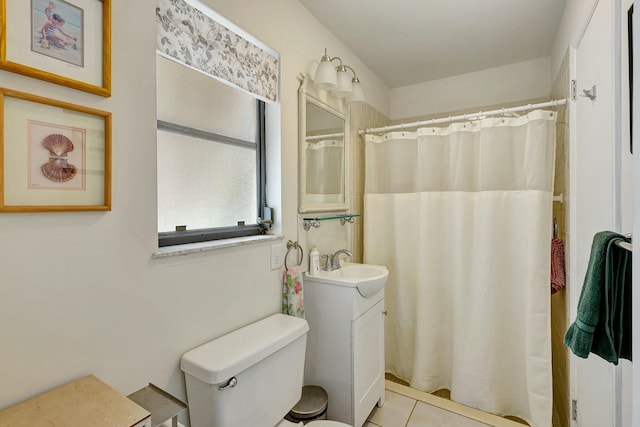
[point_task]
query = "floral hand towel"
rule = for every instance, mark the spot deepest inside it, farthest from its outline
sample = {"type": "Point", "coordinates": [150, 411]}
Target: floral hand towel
{"type": "Point", "coordinates": [292, 294]}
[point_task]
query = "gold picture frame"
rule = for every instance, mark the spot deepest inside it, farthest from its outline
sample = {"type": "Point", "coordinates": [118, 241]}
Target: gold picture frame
{"type": "Point", "coordinates": [68, 42]}
{"type": "Point", "coordinates": [54, 156]}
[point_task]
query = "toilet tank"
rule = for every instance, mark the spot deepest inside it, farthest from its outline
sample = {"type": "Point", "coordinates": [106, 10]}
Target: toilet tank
{"type": "Point", "coordinates": [266, 358]}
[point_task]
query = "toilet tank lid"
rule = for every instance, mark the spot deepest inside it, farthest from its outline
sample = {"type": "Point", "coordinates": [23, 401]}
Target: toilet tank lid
{"type": "Point", "coordinates": [217, 361]}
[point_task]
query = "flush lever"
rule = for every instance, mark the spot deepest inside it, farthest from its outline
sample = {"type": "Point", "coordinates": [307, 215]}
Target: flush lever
{"type": "Point", "coordinates": [233, 381]}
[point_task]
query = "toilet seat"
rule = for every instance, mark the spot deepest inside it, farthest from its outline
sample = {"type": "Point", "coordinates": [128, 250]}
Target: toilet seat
{"type": "Point", "coordinates": [317, 423]}
{"type": "Point", "coordinates": [327, 423]}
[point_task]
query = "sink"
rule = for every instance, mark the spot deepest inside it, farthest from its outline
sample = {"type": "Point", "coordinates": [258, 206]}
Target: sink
{"type": "Point", "coordinates": [367, 278]}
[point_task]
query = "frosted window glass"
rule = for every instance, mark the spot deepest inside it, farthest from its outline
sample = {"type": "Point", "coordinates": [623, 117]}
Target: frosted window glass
{"type": "Point", "coordinates": [189, 98]}
{"type": "Point", "coordinates": [203, 184]}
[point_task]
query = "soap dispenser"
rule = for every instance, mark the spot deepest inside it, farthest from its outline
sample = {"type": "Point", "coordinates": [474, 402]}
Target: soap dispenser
{"type": "Point", "coordinates": [314, 261]}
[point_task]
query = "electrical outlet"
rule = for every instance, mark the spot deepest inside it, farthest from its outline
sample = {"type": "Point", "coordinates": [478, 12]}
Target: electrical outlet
{"type": "Point", "coordinates": [276, 256]}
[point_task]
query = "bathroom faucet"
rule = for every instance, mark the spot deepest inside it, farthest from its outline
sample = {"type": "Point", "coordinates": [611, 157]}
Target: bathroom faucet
{"type": "Point", "coordinates": [333, 261]}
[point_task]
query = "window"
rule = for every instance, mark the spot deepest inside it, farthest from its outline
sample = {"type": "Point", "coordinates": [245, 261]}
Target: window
{"type": "Point", "coordinates": [211, 166]}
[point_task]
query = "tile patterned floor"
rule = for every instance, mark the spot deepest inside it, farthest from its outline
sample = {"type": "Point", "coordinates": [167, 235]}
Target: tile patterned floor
{"type": "Point", "coordinates": [405, 407]}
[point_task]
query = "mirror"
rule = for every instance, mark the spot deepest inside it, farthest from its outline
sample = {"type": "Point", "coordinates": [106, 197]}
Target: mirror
{"type": "Point", "coordinates": [323, 128]}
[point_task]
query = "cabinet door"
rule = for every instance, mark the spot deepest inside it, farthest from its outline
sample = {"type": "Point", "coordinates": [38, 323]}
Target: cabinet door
{"type": "Point", "coordinates": [368, 362]}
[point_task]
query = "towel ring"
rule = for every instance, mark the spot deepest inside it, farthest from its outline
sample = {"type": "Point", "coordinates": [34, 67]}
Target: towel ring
{"type": "Point", "coordinates": [291, 246]}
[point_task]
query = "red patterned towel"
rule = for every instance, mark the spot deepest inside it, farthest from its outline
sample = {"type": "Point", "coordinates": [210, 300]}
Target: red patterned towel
{"type": "Point", "coordinates": [557, 265]}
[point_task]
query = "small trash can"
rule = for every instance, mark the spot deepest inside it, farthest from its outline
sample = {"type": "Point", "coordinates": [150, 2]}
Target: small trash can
{"type": "Point", "coordinates": [312, 405]}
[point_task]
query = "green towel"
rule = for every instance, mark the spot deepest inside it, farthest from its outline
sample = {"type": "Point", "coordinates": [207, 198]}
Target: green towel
{"type": "Point", "coordinates": [603, 323]}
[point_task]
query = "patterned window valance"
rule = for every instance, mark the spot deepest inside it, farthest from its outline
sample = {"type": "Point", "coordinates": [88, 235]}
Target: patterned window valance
{"type": "Point", "coordinates": [191, 37]}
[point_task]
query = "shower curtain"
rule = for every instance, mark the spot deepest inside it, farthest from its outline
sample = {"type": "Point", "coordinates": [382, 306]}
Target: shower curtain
{"type": "Point", "coordinates": [461, 216]}
{"type": "Point", "coordinates": [325, 166]}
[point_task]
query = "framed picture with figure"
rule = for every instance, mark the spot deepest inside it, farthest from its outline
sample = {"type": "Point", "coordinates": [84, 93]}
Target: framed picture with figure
{"type": "Point", "coordinates": [57, 30]}
{"type": "Point", "coordinates": [54, 156]}
{"type": "Point", "coordinates": [67, 42]}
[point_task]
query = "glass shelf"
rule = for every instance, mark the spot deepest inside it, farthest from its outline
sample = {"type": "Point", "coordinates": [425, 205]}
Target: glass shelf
{"type": "Point", "coordinates": [316, 221]}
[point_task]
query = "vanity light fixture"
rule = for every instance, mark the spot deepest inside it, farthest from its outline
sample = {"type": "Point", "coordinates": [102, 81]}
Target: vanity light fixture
{"type": "Point", "coordinates": [338, 80]}
{"type": "Point", "coordinates": [326, 78]}
{"type": "Point", "coordinates": [345, 87]}
{"type": "Point", "coordinates": [357, 94]}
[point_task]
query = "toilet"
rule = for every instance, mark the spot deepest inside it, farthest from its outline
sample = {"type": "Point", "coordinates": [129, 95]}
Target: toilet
{"type": "Point", "coordinates": [252, 376]}
{"type": "Point", "coordinates": [319, 423]}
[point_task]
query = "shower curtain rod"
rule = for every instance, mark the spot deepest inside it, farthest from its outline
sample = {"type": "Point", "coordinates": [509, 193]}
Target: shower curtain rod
{"type": "Point", "coordinates": [472, 116]}
{"type": "Point", "coordinates": [325, 136]}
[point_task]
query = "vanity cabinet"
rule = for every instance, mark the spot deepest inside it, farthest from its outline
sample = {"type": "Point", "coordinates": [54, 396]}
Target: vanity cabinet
{"type": "Point", "coordinates": [345, 348]}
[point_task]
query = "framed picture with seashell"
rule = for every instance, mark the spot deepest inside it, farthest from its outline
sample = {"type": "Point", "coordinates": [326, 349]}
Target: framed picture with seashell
{"type": "Point", "coordinates": [54, 156]}
{"type": "Point", "coordinates": [67, 42]}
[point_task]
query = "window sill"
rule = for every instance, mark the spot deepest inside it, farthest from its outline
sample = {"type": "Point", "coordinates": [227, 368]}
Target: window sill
{"type": "Point", "coordinates": [214, 245]}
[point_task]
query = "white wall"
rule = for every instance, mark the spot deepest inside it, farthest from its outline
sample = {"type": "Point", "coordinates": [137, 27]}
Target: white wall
{"type": "Point", "coordinates": [79, 292]}
{"type": "Point", "coordinates": [572, 27]}
{"type": "Point", "coordinates": [514, 82]}
{"type": "Point", "coordinates": [286, 26]}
